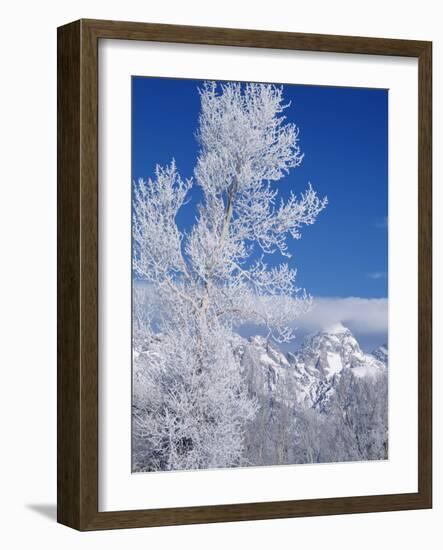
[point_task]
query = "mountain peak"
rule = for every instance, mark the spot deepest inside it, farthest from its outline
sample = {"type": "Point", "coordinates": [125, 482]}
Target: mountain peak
{"type": "Point", "coordinates": [336, 328]}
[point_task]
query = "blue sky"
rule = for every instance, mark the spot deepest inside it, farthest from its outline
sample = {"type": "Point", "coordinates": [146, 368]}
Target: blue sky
{"type": "Point", "coordinates": [344, 136]}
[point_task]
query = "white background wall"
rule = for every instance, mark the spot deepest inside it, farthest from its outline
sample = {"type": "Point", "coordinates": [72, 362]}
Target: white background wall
{"type": "Point", "coordinates": [28, 271]}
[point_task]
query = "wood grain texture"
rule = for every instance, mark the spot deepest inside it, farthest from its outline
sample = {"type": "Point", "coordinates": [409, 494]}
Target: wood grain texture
{"type": "Point", "coordinates": [254, 38]}
{"type": "Point", "coordinates": [68, 275]}
{"type": "Point", "coordinates": [425, 273]}
{"type": "Point", "coordinates": [77, 452]}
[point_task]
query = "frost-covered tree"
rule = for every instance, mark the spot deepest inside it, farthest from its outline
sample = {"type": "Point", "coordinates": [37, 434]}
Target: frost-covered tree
{"type": "Point", "coordinates": [191, 408]}
{"type": "Point", "coordinates": [353, 425]}
{"type": "Point", "coordinates": [360, 414]}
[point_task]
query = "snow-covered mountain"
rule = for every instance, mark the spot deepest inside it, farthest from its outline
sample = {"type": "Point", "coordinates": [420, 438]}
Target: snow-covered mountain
{"type": "Point", "coordinates": [310, 375]}
{"type": "Point", "coordinates": [306, 378]}
{"type": "Point", "coordinates": [326, 402]}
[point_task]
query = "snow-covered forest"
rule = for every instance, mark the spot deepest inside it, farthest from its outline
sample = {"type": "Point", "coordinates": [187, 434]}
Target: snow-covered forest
{"type": "Point", "coordinates": [203, 397]}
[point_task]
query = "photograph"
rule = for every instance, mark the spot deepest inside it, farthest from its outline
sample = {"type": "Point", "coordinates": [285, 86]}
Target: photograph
{"type": "Point", "coordinates": [259, 274]}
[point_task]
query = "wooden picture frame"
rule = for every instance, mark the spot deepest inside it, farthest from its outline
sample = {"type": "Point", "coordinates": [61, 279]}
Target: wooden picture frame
{"type": "Point", "coordinates": [77, 456]}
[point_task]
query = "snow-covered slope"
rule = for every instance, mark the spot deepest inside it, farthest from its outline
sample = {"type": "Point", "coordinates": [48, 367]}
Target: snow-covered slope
{"type": "Point", "coordinates": [309, 376]}
{"type": "Point", "coordinates": [266, 369]}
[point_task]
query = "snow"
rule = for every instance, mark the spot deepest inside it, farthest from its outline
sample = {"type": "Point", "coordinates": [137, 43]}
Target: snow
{"type": "Point", "coordinates": [366, 371]}
{"type": "Point", "coordinates": [296, 381]}
{"type": "Point", "coordinates": [336, 328]}
{"type": "Point", "coordinates": [335, 363]}
{"type": "Point", "coordinates": [266, 360]}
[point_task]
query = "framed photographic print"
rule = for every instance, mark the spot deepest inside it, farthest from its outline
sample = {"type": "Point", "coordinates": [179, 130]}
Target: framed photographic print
{"type": "Point", "coordinates": [244, 275]}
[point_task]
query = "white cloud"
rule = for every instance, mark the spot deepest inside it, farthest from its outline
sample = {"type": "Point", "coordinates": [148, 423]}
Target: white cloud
{"type": "Point", "coordinates": [360, 315]}
{"type": "Point", "coordinates": [367, 318]}
{"type": "Point", "coordinates": [376, 275]}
